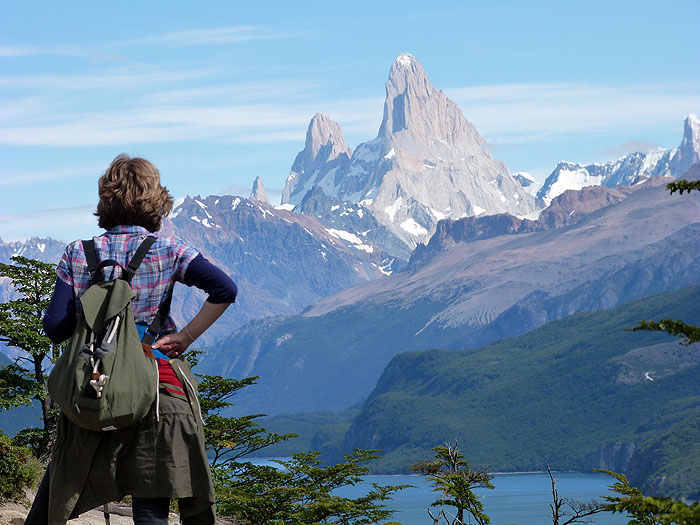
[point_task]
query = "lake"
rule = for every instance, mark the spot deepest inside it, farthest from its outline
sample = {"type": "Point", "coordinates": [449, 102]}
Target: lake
{"type": "Point", "coordinates": [521, 499]}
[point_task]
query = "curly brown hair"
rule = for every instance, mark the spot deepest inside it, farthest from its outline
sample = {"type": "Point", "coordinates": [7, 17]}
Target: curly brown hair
{"type": "Point", "coordinates": [131, 194]}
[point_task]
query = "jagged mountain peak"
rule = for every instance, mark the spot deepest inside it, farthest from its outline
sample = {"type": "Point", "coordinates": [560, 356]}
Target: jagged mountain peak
{"type": "Point", "coordinates": [688, 152]}
{"type": "Point", "coordinates": [324, 149]}
{"type": "Point", "coordinates": [414, 107]}
{"type": "Point", "coordinates": [323, 131]}
{"type": "Point", "coordinates": [691, 133]}
{"type": "Point", "coordinates": [407, 71]}
{"type": "Point", "coordinates": [428, 162]}
{"type": "Point", "coordinates": [258, 193]}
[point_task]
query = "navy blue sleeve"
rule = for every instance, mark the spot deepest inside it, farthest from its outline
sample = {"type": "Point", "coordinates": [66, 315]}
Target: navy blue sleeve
{"type": "Point", "coordinates": [59, 320]}
{"type": "Point", "coordinates": [205, 276]}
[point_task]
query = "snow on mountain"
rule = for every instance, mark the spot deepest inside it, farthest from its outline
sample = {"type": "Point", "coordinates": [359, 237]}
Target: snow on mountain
{"type": "Point", "coordinates": [281, 260]}
{"type": "Point", "coordinates": [428, 162]}
{"type": "Point", "coordinates": [47, 250]}
{"type": "Point", "coordinates": [358, 221]}
{"type": "Point", "coordinates": [528, 182]}
{"type": "Point", "coordinates": [631, 169]}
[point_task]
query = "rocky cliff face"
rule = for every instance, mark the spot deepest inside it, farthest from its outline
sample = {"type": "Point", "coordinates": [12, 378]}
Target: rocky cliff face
{"type": "Point", "coordinates": [282, 261]}
{"type": "Point", "coordinates": [427, 163]}
{"type": "Point", "coordinates": [628, 170]}
{"type": "Point", "coordinates": [688, 153]}
{"type": "Point", "coordinates": [323, 156]}
{"type": "Point", "coordinates": [258, 193]}
{"type": "Point", "coordinates": [615, 456]}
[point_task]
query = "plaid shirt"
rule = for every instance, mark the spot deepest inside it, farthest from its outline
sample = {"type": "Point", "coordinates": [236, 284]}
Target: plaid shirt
{"type": "Point", "coordinates": [165, 263]}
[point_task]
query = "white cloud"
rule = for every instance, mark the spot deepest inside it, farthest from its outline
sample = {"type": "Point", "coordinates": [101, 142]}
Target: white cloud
{"type": "Point", "coordinates": [134, 78]}
{"type": "Point", "coordinates": [25, 51]}
{"type": "Point", "coordinates": [279, 111]}
{"type": "Point", "coordinates": [189, 38]}
{"type": "Point", "coordinates": [54, 223]}
{"type": "Point", "coordinates": [15, 178]}
{"type": "Point", "coordinates": [186, 115]}
{"type": "Point", "coordinates": [198, 37]}
{"type": "Point", "coordinates": [513, 113]}
{"type": "Point", "coordinates": [631, 146]}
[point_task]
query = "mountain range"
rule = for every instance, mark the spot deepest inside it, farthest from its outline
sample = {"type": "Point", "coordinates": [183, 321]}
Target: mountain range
{"type": "Point", "coordinates": [628, 170]}
{"type": "Point", "coordinates": [420, 239]}
{"type": "Point", "coordinates": [477, 283]}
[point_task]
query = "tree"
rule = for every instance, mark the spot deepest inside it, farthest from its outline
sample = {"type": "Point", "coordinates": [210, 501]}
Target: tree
{"type": "Point", "coordinates": [299, 490]}
{"type": "Point", "coordinates": [570, 510]}
{"type": "Point", "coordinates": [455, 480]}
{"type": "Point", "coordinates": [645, 510]}
{"type": "Point", "coordinates": [20, 327]}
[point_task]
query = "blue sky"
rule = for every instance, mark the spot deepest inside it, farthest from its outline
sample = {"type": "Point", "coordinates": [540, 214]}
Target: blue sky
{"type": "Point", "coordinates": [218, 93]}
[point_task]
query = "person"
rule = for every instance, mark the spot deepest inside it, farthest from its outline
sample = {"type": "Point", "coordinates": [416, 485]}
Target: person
{"type": "Point", "coordinates": [162, 457]}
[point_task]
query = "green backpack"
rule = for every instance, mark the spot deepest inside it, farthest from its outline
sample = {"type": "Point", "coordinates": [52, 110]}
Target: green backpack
{"type": "Point", "coordinates": [104, 380]}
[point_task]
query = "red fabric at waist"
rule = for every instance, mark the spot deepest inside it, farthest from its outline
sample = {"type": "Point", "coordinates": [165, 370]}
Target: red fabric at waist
{"type": "Point", "coordinates": [166, 374]}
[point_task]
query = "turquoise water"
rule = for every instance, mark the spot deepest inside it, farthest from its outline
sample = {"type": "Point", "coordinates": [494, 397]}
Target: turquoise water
{"type": "Point", "coordinates": [521, 499]}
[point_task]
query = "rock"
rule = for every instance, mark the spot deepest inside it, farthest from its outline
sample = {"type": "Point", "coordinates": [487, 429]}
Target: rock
{"type": "Point", "coordinates": [259, 193]}
{"type": "Point", "coordinates": [427, 163]}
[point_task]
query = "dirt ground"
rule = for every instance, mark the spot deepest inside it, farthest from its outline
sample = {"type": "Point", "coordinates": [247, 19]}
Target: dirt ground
{"type": "Point", "coordinates": [14, 514]}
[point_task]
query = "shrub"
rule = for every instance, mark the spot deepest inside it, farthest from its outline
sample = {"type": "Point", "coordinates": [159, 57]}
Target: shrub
{"type": "Point", "coordinates": [19, 469]}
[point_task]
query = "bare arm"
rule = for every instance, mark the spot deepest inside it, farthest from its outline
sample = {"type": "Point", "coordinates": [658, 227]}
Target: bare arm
{"type": "Point", "coordinates": [176, 344]}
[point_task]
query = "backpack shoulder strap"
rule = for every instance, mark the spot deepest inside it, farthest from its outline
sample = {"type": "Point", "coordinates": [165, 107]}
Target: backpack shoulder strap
{"type": "Point", "coordinates": [137, 259]}
{"type": "Point", "coordinates": [164, 309]}
{"type": "Point", "coordinates": [93, 261]}
{"type": "Point", "coordinates": [159, 320]}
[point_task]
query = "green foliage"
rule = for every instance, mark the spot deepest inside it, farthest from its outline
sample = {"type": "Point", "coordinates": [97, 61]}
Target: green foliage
{"type": "Point", "coordinates": [665, 511]}
{"type": "Point", "coordinates": [580, 379]}
{"type": "Point", "coordinates": [21, 327]}
{"type": "Point", "coordinates": [20, 319]}
{"type": "Point", "coordinates": [228, 438]}
{"type": "Point", "coordinates": [690, 333]}
{"type": "Point", "coordinates": [669, 463]}
{"type": "Point", "coordinates": [18, 387]}
{"type": "Point", "coordinates": [625, 491]}
{"type": "Point", "coordinates": [301, 492]}
{"type": "Point", "coordinates": [18, 470]}
{"type": "Point", "coordinates": [681, 186]}
{"type": "Point", "coordinates": [646, 510]}
{"type": "Point", "coordinates": [455, 480]}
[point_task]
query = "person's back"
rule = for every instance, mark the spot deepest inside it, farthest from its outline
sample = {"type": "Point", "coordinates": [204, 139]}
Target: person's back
{"type": "Point", "coordinates": [155, 460]}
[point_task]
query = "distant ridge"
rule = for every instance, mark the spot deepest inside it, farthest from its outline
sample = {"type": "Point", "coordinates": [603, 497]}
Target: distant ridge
{"type": "Point", "coordinates": [629, 170]}
{"type": "Point", "coordinates": [470, 288]}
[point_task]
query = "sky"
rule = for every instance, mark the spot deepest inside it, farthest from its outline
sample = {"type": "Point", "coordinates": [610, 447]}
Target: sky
{"type": "Point", "coordinates": [218, 93]}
